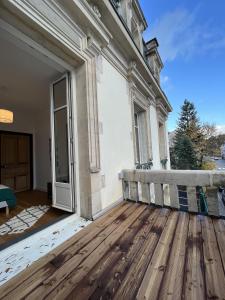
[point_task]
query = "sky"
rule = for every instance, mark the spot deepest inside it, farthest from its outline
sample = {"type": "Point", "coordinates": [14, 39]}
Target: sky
{"type": "Point", "coordinates": [191, 35]}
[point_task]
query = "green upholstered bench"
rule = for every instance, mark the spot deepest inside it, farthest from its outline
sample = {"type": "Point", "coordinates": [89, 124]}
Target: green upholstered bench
{"type": "Point", "coordinates": [7, 194]}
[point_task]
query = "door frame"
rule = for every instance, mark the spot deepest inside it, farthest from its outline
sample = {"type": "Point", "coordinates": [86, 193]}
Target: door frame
{"type": "Point", "coordinates": [30, 135]}
{"type": "Point", "coordinates": [62, 65]}
{"type": "Point", "coordinates": [70, 143]}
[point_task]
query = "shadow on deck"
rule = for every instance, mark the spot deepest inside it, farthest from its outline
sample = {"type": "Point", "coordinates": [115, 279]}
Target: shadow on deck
{"type": "Point", "coordinates": [133, 251]}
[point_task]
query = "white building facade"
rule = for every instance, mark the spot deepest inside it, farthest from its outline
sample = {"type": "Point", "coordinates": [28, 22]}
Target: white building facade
{"type": "Point", "coordinates": [106, 92]}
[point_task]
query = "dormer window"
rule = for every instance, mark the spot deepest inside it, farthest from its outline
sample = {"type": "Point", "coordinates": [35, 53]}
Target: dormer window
{"type": "Point", "coordinates": [153, 58]}
{"type": "Point", "coordinates": [135, 32]}
{"type": "Point", "coordinates": [116, 3]}
{"type": "Point", "coordinates": [133, 16]}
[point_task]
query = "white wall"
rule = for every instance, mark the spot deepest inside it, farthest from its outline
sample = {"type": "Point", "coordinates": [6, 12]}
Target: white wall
{"type": "Point", "coordinates": [22, 123]}
{"type": "Point", "coordinates": [39, 126]}
{"type": "Point", "coordinates": [42, 154]}
{"type": "Point", "coordinates": [116, 144]}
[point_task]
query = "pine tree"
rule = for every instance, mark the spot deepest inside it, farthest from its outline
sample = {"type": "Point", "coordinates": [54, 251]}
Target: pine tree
{"type": "Point", "coordinates": [190, 126]}
{"type": "Point", "coordinates": [184, 154]}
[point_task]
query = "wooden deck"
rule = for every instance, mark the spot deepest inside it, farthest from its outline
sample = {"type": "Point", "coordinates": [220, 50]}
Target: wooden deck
{"type": "Point", "coordinates": [134, 251]}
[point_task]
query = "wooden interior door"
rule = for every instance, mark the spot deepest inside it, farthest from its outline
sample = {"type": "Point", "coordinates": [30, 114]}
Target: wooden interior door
{"type": "Point", "coordinates": [15, 161]}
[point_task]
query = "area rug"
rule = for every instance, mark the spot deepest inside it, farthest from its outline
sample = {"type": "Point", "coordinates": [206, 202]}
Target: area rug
{"type": "Point", "coordinates": [24, 220]}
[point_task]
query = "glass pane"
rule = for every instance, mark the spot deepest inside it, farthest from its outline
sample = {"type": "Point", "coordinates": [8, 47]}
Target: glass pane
{"type": "Point", "coordinates": [61, 146]}
{"type": "Point", "coordinates": [59, 93]}
{"type": "Point", "coordinates": [137, 144]}
{"type": "Point", "coordinates": [136, 120]}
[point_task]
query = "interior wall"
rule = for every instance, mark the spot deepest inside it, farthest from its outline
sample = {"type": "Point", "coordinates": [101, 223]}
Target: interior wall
{"type": "Point", "coordinates": [42, 150]}
{"type": "Point", "coordinates": [116, 139]}
{"type": "Point", "coordinates": [23, 123]}
{"type": "Point", "coordinates": [39, 126]}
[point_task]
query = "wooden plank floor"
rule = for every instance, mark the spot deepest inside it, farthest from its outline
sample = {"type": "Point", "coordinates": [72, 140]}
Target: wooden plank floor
{"type": "Point", "coordinates": [25, 200]}
{"type": "Point", "coordinates": [133, 252]}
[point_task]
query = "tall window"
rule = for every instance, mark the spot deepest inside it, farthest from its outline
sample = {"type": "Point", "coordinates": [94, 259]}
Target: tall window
{"type": "Point", "coordinates": [135, 33]}
{"type": "Point", "coordinates": [137, 141]}
{"type": "Point", "coordinates": [162, 141]}
{"type": "Point", "coordinates": [140, 131]}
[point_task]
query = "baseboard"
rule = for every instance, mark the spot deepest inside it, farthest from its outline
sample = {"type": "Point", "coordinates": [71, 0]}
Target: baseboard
{"type": "Point", "coordinates": [105, 210]}
{"type": "Point", "coordinates": [41, 189]}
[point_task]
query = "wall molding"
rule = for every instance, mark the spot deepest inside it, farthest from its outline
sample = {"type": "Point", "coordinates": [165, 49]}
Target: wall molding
{"type": "Point", "coordinates": [92, 51]}
{"type": "Point", "coordinates": [112, 57]}
{"type": "Point", "coordinates": [50, 18]}
{"type": "Point", "coordinates": [135, 76]}
{"type": "Point", "coordinates": [162, 112]}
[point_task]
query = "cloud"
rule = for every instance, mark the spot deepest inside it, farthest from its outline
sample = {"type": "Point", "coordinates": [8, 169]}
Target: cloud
{"type": "Point", "coordinates": [181, 34]}
{"type": "Point", "coordinates": [164, 79]}
{"type": "Point", "coordinates": [220, 129]}
{"type": "Point", "coordinates": [166, 82]}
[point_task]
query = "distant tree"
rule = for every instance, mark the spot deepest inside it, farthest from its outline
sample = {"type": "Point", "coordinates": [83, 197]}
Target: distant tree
{"type": "Point", "coordinates": [184, 156]}
{"type": "Point", "coordinates": [203, 138]}
{"type": "Point", "coordinates": [208, 165]}
{"type": "Point", "coordinates": [209, 131]}
{"type": "Point", "coordinates": [190, 126]}
{"type": "Point", "coordinates": [214, 144]}
{"type": "Point", "coordinates": [173, 158]}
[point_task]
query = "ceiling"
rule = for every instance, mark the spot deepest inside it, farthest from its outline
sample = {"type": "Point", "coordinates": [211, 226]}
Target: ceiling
{"type": "Point", "coordinates": [25, 77]}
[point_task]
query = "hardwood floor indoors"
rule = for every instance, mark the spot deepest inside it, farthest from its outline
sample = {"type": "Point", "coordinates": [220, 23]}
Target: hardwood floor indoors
{"type": "Point", "coordinates": [26, 200]}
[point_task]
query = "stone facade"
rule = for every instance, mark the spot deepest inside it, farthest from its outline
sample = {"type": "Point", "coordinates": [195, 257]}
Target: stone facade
{"type": "Point", "coordinates": [116, 82]}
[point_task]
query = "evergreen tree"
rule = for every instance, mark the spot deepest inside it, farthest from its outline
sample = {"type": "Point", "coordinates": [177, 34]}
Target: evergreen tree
{"type": "Point", "coordinates": [190, 126]}
{"type": "Point", "coordinates": [184, 154]}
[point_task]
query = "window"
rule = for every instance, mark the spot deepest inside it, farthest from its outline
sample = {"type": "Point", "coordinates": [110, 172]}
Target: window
{"type": "Point", "coordinates": [162, 141]}
{"type": "Point", "coordinates": [136, 33]}
{"type": "Point", "coordinates": [140, 132]}
{"type": "Point", "coordinates": [122, 9]}
{"type": "Point", "coordinates": [136, 130]}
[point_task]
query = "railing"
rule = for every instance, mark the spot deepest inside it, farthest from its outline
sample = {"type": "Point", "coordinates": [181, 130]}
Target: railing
{"type": "Point", "coordinates": [194, 191]}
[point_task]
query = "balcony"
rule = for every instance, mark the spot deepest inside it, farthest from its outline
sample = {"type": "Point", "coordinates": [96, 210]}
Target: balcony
{"type": "Point", "coordinates": [137, 250]}
{"type": "Point", "coordinates": [192, 191]}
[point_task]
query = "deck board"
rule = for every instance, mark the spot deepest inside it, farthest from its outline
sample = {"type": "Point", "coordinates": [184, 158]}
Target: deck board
{"type": "Point", "coordinates": [135, 251]}
{"type": "Point", "coordinates": [194, 273]}
{"type": "Point", "coordinates": [171, 287]}
{"type": "Point", "coordinates": [214, 273]}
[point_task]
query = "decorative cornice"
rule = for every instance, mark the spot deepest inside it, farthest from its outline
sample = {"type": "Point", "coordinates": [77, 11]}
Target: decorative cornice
{"type": "Point", "coordinates": [137, 97]}
{"type": "Point", "coordinates": [112, 57]}
{"type": "Point", "coordinates": [152, 101]}
{"type": "Point", "coordinates": [96, 21]}
{"type": "Point", "coordinates": [96, 10]}
{"type": "Point", "coordinates": [90, 46]}
{"type": "Point", "coordinates": [57, 23]}
{"type": "Point", "coordinates": [161, 111]}
{"type": "Point", "coordinates": [135, 76]}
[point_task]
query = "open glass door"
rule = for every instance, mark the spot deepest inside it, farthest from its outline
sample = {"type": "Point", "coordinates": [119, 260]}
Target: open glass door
{"type": "Point", "coordinates": [62, 145]}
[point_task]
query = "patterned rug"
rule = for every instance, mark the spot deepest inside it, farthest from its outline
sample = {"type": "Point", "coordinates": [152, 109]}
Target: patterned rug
{"type": "Point", "coordinates": [24, 220]}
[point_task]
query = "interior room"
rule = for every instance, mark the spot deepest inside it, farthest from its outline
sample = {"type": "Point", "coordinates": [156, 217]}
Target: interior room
{"type": "Point", "coordinates": [25, 138]}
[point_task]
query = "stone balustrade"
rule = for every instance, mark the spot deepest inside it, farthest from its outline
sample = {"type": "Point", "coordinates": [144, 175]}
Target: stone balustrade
{"type": "Point", "coordinates": [194, 191]}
